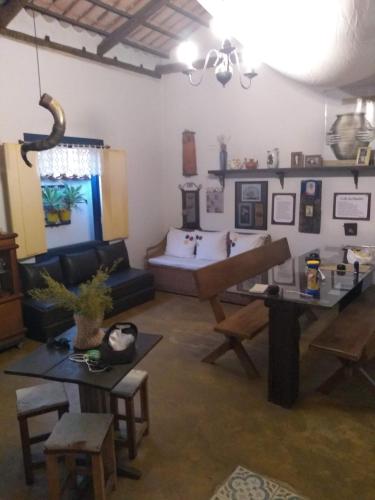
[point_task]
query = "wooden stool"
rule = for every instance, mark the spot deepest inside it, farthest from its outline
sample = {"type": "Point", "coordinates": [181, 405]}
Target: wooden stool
{"type": "Point", "coordinates": [32, 401]}
{"type": "Point", "coordinates": [135, 380]}
{"type": "Point", "coordinates": [77, 433]}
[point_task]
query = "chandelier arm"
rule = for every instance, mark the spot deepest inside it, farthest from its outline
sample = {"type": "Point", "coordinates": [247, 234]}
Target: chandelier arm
{"type": "Point", "coordinates": [210, 53]}
{"type": "Point", "coordinates": [240, 75]}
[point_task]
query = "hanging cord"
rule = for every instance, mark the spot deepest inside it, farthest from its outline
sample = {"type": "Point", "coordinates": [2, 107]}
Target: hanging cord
{"type": "Point", "coordinates": [37, 56]}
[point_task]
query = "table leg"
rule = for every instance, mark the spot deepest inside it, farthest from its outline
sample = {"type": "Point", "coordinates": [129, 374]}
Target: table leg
{"type": "Point", "coordinates": [94, 400]}
{"type": "Point", "coordinates": [283, 369]}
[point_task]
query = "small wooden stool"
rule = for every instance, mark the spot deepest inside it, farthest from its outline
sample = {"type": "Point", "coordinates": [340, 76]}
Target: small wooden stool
{"type": "Point", "coordinates": [77, 433]}
{"type": "Point", "coordinates": [135, 380]}
{"type": "Point", "coordinates": [32, 401]}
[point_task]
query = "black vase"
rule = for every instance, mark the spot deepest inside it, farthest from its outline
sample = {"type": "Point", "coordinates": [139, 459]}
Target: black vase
{"type": "Point", "coordinates": [223, 160]}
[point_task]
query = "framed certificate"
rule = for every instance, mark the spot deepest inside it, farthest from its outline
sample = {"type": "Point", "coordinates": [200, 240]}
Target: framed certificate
{"type": "Point", "coordinates": [351, 206]}
{"type": "Point", "coordinates": [283, 208]}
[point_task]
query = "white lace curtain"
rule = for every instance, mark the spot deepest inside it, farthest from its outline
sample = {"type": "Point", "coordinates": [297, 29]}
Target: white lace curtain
{"type": "Point", "coordinates": [64, 161]}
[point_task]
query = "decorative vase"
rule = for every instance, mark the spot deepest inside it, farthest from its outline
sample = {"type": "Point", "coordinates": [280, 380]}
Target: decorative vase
{"type": "Point", "coordinates": [349, 132]}
{"type": "Point", "coordinates": [223, 159]}
{"type": "Point", "coordinates": [89, 335]}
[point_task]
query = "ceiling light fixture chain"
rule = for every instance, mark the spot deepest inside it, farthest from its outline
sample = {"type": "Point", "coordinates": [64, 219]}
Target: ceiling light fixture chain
{"type": "Point", "coordinates": [37, 56]}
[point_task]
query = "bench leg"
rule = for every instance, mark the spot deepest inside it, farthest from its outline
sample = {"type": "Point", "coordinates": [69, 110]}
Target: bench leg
{"type": "Point", "coordinates": [130, 428]}
{"type": "Point", "coordinates": [26, 450]}
{"type": "Point", "coordinates": [98, 476]}
{"type": "Point", "coordinates": [145, 416]}
{"type": "Point", "coordinates": [218, 352]}
{"type": "Point", "coordinates": [53, 477]}
{"type": "Point", "coordinates": [245, 360]}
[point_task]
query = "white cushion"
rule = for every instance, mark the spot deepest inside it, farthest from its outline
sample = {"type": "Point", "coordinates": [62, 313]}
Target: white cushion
{"type": "Point", "coordinates": [240, 243]}
{"type": "Point", "coordinates": [211, 245]}
{"type": "Point", "coordinates": [181, 263]}
{"type": "Point", "coordinates": [180, 243]}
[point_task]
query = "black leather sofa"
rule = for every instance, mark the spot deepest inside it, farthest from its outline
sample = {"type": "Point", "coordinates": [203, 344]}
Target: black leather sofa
{"type": "Point", "coordinates": [73, 265]}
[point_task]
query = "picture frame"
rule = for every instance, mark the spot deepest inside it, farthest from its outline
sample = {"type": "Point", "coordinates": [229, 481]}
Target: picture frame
{"type": "Point", "coordinates": [283, 209]}
{"type": "Point", "coordinates": [352, 206]}
{"type": "Point", "coordinates": [251, 200]}
{"type": "Point", "coordinates": [284, 274]}
{"type": "Point", "coordinates": [363, 156]}
{"type": "Point", "coordinates": [296, 159]}
{"type": "Point", "coordinates": [313, 161]}
{"type": "Point", "coordinates": [251, 192]}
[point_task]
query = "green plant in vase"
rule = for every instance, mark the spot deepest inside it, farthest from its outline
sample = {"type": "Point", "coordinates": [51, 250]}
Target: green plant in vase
{"type": "Point", "coordinates": [72, 197]}
{"type": "Point", "coordinates": [52, 202]}
{"type": "Point", "coordinates": [88, 305]}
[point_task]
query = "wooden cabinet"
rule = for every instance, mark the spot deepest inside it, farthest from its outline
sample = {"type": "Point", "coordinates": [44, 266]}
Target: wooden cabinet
{"type": "Point", "coordinates": [11, 325]}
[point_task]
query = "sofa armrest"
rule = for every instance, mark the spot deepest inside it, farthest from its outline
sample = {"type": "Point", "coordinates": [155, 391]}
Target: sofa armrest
{"type": "Point", "coordinates": [156, 250]}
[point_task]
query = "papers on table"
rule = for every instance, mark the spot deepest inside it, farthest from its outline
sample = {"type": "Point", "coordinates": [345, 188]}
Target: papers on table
{"type": "Point", "coordinates": [258, 288]}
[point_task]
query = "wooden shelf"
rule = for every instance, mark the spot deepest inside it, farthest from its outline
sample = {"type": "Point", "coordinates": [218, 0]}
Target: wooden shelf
{"type": "Point", "coordinates": [354, 171]}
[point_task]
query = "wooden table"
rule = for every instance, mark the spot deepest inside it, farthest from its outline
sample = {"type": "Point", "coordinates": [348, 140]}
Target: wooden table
{"type": "Point", "coordinates": [285, 308]}
{"type": "Point", "coordinates": [94, 388]}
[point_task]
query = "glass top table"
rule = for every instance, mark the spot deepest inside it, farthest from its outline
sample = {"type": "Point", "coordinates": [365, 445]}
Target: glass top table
{"type": "Point", "coordinates": [292, 280]}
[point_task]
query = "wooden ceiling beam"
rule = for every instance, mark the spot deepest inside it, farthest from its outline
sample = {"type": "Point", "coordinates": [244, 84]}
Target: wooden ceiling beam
{"type": "Point", "coordinates": [130, 25]}
{"type": "Point", "coordinates": [188, 14]}
{"type": "Point", "coordinates": [93, 29]}
{"type": "Point", "coordinates": [81, 53]}
{"type": "Point", "coordinates": [122, 13]}
{"type": "Point", "coordinates": [9, 10]}
{"type": "Point", "coordinates": [167, 69]}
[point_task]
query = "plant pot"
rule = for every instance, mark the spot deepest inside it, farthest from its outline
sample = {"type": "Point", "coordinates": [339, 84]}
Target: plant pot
{"type": "Point", "coordinates": [89, 335]}
{"type": "Point", "coordinates": [53, 217]}
{"type": "Point", "coordinates": [65, 215]}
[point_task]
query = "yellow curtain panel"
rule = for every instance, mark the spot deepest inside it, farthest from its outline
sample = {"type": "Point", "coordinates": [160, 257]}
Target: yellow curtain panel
{"type": "Point", "coordinates": [23, 201]}
{"type": "Point", "coordinates": [114, 193]}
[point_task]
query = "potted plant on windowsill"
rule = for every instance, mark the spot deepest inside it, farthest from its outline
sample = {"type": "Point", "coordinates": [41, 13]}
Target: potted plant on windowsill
{"type": "Point", "coordinates": [89, 305]}
{"type": "Point", "coordinates": [71, 197]}
{"type": "Point", "coordinates": [52, 202]}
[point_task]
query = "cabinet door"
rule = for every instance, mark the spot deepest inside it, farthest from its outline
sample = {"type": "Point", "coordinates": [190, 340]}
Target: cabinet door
{"type": "Point", "coordinates": [24, 201]}
{"type": "Point", "coordinates": [11, 319]}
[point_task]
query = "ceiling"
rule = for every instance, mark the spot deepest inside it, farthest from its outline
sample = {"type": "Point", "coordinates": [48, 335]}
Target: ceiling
{"type": "Point", "coordinates": [154, 26]}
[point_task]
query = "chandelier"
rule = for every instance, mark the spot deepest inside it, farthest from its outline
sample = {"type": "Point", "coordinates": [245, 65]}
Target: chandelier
{"type": "Point", "coordinates": [223, 60]}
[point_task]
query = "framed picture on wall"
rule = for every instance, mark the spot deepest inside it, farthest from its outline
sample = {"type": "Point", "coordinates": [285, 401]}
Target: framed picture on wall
{"type": "Point", "coordinates": [251, 199]}
{"type": "Point", "coordinates": [351, 206]}
{"type": "Point", "coordinates": [283, 208]}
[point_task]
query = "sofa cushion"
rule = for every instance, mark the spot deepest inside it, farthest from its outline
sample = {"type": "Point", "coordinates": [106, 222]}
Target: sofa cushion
{"type": "Point", "coordinates": [31, 274]}
{"type": "Point", "coordinates": [129, 281]}
{"type": "Point", "coordinates": [180, 243]}
{"type": "Point", "coordinates": [109, 253]}
{"type": "Point", "coordinates": [79, 267]}
{"type": "Point", "coordinates": [211, 245]}
{"type": "Point", "coordinates": [191, 264]}
{"type": "Point", "coordinates": [240, 243]}
{"type": "Point", "coordinates": [40, 313]}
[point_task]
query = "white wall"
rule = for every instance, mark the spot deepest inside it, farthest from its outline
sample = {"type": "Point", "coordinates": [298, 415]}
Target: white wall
{"type": "Point", "coordinates": [275, 112]}
{"type": "Point", "coordinates": [120, 107]}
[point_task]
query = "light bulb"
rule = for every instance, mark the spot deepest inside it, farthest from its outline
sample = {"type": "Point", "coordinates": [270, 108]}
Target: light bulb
{"type": "Point", "coordinates": [187, 53]}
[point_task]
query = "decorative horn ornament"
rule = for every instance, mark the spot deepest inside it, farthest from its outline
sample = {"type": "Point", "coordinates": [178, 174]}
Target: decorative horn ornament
{"type": "Point", "coordinates": [58, 130]}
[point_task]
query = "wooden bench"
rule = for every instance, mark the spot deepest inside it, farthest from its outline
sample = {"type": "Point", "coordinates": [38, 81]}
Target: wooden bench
{"type": "Point", "coordinates": [245, 323]}
{"type": "Point", "coordinates": [351, 339]}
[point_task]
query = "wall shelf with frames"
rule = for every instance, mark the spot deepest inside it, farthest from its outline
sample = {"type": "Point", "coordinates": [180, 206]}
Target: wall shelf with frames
{"type": "Point", "coordinates": [354, 171]}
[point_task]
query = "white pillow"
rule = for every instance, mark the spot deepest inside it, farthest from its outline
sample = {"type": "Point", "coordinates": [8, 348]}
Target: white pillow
{"type": "Point", "coordinates": [240, 243]}
{"type": "Point", "coordinates": [211, 246]}
{"type": "Point", "coordinates": [180, 243]}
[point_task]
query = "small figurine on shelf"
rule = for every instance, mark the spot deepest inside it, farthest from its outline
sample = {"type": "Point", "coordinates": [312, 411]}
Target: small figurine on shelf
{"type": "Point", "coordinates": [273, 158]}
{"type": "Point", "coordinates": [223, 151]}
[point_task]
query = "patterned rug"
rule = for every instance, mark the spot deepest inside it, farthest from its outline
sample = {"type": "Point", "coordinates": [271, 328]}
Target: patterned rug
{"type": "Point", "coordinates": [244, 484]}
